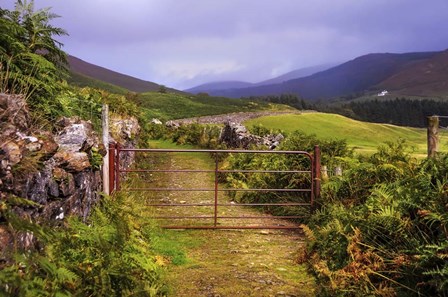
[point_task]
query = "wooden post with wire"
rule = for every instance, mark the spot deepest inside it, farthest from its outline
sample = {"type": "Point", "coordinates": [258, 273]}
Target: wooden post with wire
{"type": "Point", "coordinates": [433, 136]}
{"type": "Point", "coordinates": [105, 123]}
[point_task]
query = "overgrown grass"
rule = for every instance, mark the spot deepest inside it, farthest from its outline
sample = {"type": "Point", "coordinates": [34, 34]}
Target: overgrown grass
{"type": "Point", "coordinates": [362, 136]}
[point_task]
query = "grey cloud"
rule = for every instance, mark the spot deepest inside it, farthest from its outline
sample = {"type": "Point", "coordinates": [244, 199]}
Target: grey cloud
{"type": "Point", "coordinates": [178, 42]}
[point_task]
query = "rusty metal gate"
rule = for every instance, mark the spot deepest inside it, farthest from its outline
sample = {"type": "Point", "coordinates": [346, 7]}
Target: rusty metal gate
{"type": "Point", "coordinates": [216, 203]}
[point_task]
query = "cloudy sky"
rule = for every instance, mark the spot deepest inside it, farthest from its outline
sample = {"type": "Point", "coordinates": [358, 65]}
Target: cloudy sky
{"type": "Point", "coordinates": [183, 43]}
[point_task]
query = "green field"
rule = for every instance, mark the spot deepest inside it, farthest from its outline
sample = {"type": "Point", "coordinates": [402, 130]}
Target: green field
{"type": "Point", "coordinates": [177, 106]}
{"type": "Point", "coordinates": [364, 137]}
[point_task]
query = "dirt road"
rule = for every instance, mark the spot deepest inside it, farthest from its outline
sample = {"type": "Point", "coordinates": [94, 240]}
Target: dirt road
{"type": "Point", "coordinates": [227, 262]}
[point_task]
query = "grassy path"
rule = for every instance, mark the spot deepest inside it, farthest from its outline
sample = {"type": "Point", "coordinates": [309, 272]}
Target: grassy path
{"type": "Point", "coordinates": [225, 262]}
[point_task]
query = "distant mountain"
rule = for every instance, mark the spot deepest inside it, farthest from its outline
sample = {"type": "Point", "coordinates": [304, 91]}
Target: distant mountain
{"type": "Point", "coordinates": [425, 78]}
{"type": "Point", "coordinates": [226, 85]}
{"type": "Point", "coordinates": [82, 70]}
{"type": "Point", "coordinates": [219, 85]}
{"type": "Point", "coordinates": [298, 73]}
{"type": "Point", "coordinates": [365, 73]}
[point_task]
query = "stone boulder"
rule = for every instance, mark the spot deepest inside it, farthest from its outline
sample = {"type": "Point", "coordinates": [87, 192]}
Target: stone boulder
{"type": "Point", "coordinates": [235, 135]}
{"type": "Point", "coordinates": [76, 135]}
{"type": "Point", "coordinates": [124, 129]}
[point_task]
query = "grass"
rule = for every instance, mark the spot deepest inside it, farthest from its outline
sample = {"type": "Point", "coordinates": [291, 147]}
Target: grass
{"type": "Point", "coordinates": [364, 137]}
{"type": "Point", "coordinates": [177, 106]}
{"type": "Point", "coordinates": [80, 80]}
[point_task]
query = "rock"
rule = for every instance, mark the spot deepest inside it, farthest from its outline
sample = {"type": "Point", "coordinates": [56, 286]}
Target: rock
{"type": "Point", "coordinates": [156, 122]}
{"type": "Point", "coordinates": [124, 129]}
{"type": "Point", "coordinates": [7, 131]}
{"type": "Point", "coordinates": [102, 150]}
{"type": "Point", "coordinates": [235, 135]}
{"type": "Point", "coordinates": [49, 145]}
{"type": "Point", "coordinates": [13, 109]}
{"type": "Point", "coordinates": [65, 181]}
{"type": "Point", "coordinates": [172, 124]}
{"type": "Point", "coordinates": [279, 137]}
{"type": "Point", "coordinates": [60, 216]}
{"type": "Point", "coordinates": [33, 146]}
{"type": "Point", "coordinates": [53, 188]}
{"type": "Point", "coordinates": [12, 151]}
{"type": "Point", "coordinates": [75, 137]}
{"type": "Point", "coordinates": [72, 161]}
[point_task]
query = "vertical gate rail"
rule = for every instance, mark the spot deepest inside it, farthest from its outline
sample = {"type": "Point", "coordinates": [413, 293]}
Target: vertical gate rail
{"type": "Point", "coordinates": [313, 189]}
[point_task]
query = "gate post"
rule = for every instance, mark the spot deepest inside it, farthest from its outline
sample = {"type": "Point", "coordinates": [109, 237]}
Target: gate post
{"type": "Point", "coordinates": [433, 136]}
{"type": "Point", "coordinates": [117, 167]}
{"type": "Point", "coordinates": [316, 175]}
{"type": "Point", "coordinates": [111, 167]}
{"type": "Point", "coordinates": [105, 169]}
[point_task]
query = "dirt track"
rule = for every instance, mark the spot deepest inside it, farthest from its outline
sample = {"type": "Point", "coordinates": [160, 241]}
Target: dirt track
{"type": "Point", "coordinates": [229, 262]}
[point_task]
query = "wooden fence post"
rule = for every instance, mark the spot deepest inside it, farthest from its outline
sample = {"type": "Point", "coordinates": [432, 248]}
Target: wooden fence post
{"type": "Point", "coordinates": [112, 153]}
{"type": "Point", "coordinates": [105, 123]}
{"type": "Point", "coordinates": [433, 136]}
{"type": "Point", "coordinates": [317, 175]}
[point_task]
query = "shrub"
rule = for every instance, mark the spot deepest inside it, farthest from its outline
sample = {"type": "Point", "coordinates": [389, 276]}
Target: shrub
{"type": "Point", "coordinates": [382, 229]}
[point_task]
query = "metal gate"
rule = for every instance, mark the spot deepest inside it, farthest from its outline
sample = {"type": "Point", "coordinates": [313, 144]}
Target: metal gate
{"type": "Point", "coordinates": [214, 219]}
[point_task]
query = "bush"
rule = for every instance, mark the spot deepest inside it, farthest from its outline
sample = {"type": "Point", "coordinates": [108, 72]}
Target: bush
{"type": "Point", "coordinates": [382, 229]}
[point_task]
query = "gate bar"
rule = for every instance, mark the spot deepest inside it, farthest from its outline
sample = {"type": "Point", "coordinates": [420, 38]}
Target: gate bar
{"type": "Point", "coordinates": [236, 204]}
{"type": "Point", "coordinates": [314, 189]}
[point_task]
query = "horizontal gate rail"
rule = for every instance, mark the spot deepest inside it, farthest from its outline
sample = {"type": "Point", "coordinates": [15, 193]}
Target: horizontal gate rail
{"type": "Point", "coordinates": [219, 190]}
{"type": "Point", "coordinates": [313, 189]}
{"type": "Point", "coordinates": [232, 205]}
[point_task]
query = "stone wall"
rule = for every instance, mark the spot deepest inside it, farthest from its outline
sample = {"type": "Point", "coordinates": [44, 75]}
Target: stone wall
{"type": "Point", "coordinates": [235, 135]}
{"type": "Point", "coordinates": [59, 171]}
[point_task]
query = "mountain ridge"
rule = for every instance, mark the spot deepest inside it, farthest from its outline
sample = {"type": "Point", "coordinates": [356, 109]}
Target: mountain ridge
{"type": "Point", "coordinates": [86, 69]}
{"type": "Point", "coordinates": [362, 74]}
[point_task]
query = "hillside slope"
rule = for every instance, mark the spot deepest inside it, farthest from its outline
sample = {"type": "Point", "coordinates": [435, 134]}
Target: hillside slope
{"type": "Point", "coordinates": [355, 76]}
{"type": "Point", "coordinates": [363, 136]}
{"type": "Point", "coordinates": [426, 78]}
{"type": "Point", "coordinates": [85, 69]}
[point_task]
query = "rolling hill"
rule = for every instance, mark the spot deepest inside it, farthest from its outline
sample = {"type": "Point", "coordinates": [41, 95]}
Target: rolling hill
{"type": "Point", "coordinates": [364, 137]}
{"type": "Point", "coordinates": [82, 72]}
{"type": "Point", "coordinates": [365, 73]}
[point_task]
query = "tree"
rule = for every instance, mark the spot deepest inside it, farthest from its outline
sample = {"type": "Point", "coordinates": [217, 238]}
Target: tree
{"type": "Point", "coordinates": [162, 89]}
{"type": "Point", "coordinates": [31, 60]}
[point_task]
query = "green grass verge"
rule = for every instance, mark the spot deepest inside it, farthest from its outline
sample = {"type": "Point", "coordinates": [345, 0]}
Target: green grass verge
{"type": "Point", "coordinates": [364, 137]}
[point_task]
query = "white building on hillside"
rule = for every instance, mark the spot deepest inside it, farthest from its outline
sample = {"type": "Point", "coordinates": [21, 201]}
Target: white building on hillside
{"type": "Point", "coordinates": [383, 93]}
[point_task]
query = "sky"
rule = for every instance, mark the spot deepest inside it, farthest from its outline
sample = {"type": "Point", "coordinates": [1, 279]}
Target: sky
{"type": "Point", "coordinates": [184, 43]}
